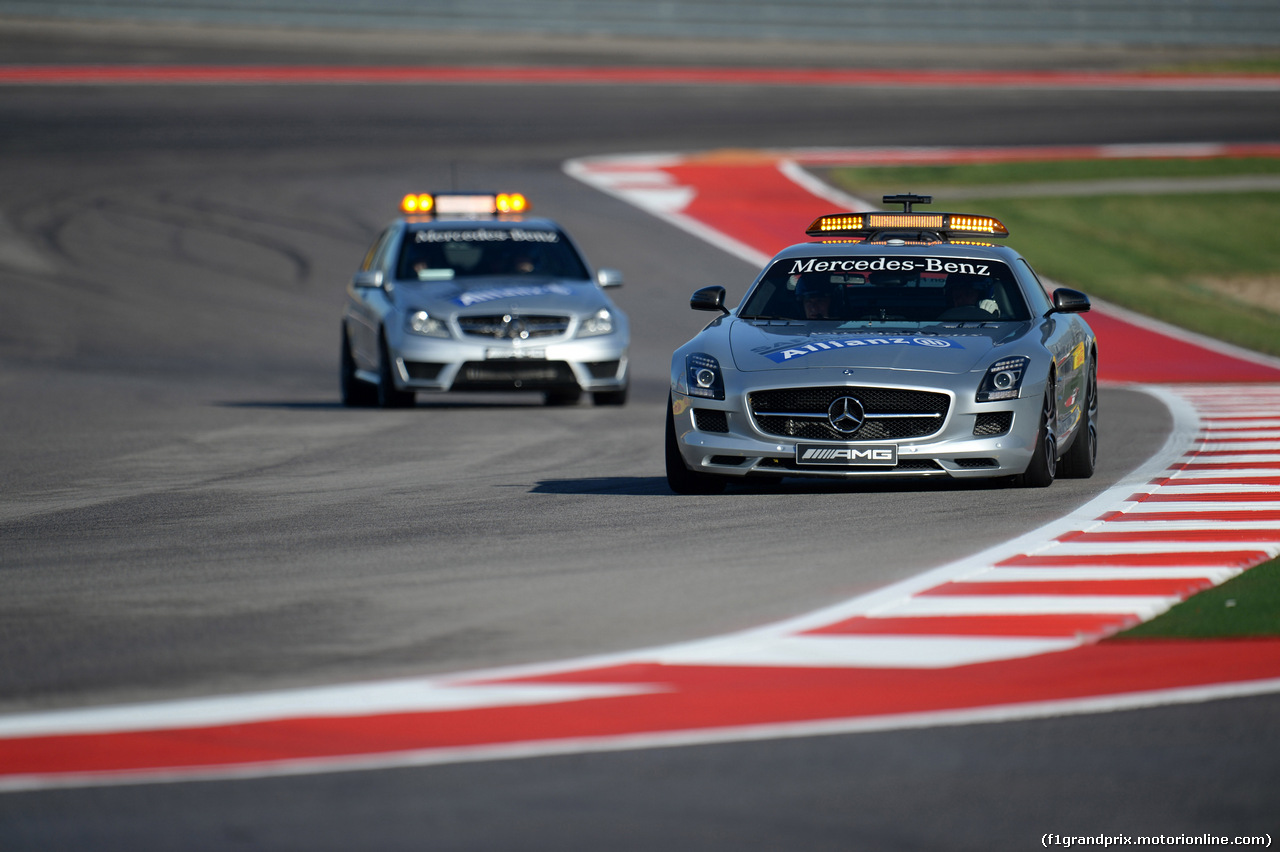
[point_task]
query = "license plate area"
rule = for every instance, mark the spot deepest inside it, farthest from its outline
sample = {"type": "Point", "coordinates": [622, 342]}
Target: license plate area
{"type": "Point", "coordinates": [879, 455]}
{"type": "Point", "coordinates": [505, 354]}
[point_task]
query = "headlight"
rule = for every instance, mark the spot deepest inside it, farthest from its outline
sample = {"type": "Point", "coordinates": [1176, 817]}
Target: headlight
{"type": "Point", "coordinates": [601, 322]}
{"type": "Point", "coordinates": [420, 322]}
{"type": "Point", "coordinates": [704, 377]}
{"type": "Point", "coordinates": [1003, 380]}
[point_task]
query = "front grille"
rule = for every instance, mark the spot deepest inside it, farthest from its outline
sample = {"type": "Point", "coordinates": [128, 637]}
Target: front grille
{"type": "Point", "coordinates": [710, 420]}
{"type": "Point", "coordinates": [891, 414]}
{"type": "Point", "coordinates": [516, 373]}
{"type": "Point", "coordinates": [422, 371]}
{"type": "Point", "coordinates": [993, 423]}
{"type": "Point", "coordinates": [975, 463]}
{"type": "Point", "coordinates": [514, 326]}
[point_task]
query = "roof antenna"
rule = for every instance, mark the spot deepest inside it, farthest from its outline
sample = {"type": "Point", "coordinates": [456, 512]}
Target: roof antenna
{"type": "Point", "coordinates": [907, 200]}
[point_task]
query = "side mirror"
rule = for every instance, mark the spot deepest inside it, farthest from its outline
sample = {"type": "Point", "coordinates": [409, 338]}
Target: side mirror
{"type": "Point", "coordinates": [709, 299]}
{"type": "Point", "coordinates": [1069, 301]}
{"type": "Point", "coordinates": [608, 278]}
{"type": "Point", "coordinates": [368, 278]}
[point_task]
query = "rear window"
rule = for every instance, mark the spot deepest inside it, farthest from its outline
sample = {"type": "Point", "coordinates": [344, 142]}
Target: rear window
{"type": "Point", "coordinates": [442, 255]}
{"type": "Point", "coordinates": [876, 289]}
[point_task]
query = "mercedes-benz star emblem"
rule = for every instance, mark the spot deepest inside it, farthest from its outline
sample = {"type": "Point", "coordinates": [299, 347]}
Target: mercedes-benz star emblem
{"type": "Point", "coordinates": [846, 415]}
{"type": "Point", "coordinates": [514, 328]}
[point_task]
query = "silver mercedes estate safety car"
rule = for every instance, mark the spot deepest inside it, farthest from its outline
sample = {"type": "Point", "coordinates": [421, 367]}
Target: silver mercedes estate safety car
{"type": "Point", "coordinates": [900, 344]}
{"type": "Point", "coordinates": [467, 292]}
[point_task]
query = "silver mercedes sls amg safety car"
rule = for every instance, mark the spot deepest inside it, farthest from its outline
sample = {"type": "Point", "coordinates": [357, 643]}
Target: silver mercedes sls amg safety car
{"type": "Point", "coordinates": [898, 344]}
{"type": "Point", "coordinates": [467, 292]}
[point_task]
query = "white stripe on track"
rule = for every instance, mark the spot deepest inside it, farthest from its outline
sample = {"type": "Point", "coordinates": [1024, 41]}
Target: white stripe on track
{"type": "Point", "coordinates": [926, 605]}
{"type": "Point", "coordinates": [1056, 573]}
{"type": "Point", "coordinates": [881, 652]}
{"type": "Point", "coordinates": [1102, 549]}
{"type": "Point", "coordinates": [1132, 525]}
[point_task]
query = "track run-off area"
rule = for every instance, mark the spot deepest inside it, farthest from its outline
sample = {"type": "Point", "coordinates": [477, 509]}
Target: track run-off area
{"type": "Point", "coordinates": [1018, 631]}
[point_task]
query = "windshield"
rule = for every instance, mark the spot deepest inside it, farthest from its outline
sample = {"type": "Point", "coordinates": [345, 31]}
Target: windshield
{"type": "Point", "coordinates": [867, 289]}
{"type": "Point", "coordinates": [443, 255]}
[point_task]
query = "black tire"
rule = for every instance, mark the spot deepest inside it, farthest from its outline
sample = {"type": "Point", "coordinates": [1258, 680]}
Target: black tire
{"type": "Point", "coordinates": [389, 396]}
{"type": "Point", "coordinates": [1080, 459]}
{"type": "Point", "coordinates": [616, 397]}
{"type": "Point", "coordinates": [355, 393]}
{"type": "Point", "coordinates": [1043, 467]}
{"type": "Point", "coordinates": [680, 479]}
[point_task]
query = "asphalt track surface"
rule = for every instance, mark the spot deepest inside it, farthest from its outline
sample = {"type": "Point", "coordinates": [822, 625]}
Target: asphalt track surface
{"type": "Point", "coordinates": [188, 511]}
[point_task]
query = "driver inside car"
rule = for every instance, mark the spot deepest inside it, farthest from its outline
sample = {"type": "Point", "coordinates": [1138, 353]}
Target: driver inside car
{"type": "Point", "coordinates": [817, 297]}
{"type": "Point", "coordinates": [969, 297]}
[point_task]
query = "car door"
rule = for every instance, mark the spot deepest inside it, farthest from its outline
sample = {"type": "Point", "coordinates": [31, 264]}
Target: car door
{"type": "Point", "coordinates": [367, 305]}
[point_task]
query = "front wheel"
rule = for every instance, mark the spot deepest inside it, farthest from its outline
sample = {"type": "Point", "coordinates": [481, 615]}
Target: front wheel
{"type": "Point", "coordinates": [389, 396]}
{"type": "Point", "coordinates": [1043, 468]}
{"type": "Point", "coordinates": [355, 393]}
{"type": "Point", "coordinates": [1079, 460]}
{"type": "Point", "coordinates": [680, 479]}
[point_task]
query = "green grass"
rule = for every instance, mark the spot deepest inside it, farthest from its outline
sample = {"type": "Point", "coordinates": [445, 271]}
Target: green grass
{"type": "Point", "coordinates": [1186, 259]}
{"type": "Point", "coordinates": [1166, 256]}
{"type": "Point", "coordinates": [1247, 605]}
{"type": "Point", "coordinates": [926, 178]}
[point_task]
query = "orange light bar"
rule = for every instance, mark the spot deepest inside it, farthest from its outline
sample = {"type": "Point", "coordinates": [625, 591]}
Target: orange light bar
{"type": "Point", "coordinates": [464, 204]}
{"type": "Point", "coordinates": [511, 202]}
{"type": "Point", "coordinates": [836, 223]}
{"type": "Point", "coordinates": [869, 223]}
{"type": "Point", "coordinates": [977, 225]}
{"type": "Point", "coordinates": [417, 203]}
{"type": "Point", "coordinates": [905, 220]}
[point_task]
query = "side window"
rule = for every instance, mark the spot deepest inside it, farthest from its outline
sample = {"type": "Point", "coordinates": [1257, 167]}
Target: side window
{"type": "Point", "coordinates": [1037, 296]}
{"type": "Point", "coordinates": [374, 256]}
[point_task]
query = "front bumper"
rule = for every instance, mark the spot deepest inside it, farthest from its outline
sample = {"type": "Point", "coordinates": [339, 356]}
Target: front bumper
{"type": "Point", "coordinates": [432, 364]}
{"type": "Point", "coordinates": [722, 437]}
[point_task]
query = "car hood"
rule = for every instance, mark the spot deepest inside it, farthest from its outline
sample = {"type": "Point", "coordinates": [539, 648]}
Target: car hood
{"type": "Point", "coordinates": [482, 296]}
{"type": "Point", "coordinates": [789, 346]}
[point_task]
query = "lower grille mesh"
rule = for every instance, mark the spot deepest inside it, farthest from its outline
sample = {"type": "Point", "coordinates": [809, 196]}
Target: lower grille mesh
{"type": "Point", "coordinates": [517, 373]}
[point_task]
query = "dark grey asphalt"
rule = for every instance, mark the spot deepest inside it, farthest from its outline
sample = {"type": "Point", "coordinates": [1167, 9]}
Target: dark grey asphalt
{"type": "Point", "coordinates": [186, 510]}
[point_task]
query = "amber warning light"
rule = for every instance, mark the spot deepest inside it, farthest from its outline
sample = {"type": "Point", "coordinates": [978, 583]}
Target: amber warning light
{"type": "Point", "coordinates": [464, 204]}
{"type": "Point", "coordinates": [868, 224]}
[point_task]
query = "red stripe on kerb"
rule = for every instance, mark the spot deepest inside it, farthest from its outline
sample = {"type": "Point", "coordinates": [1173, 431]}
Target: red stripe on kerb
{"type": "Point", "coordinates": [1226, 558]}
{"type": "Point", "coordinates": [1227, 466]}
{"type": "Point", "coordinates": [1173, 535]}
{"type": "Point", "coordinates": [1223, 517]}
{"type": "Point", "coordinates": [692, 698]}
{"type": "Point", "coordinates": [1214, 497]}
{"type": "Point", "coordinates": [1155, 586]}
